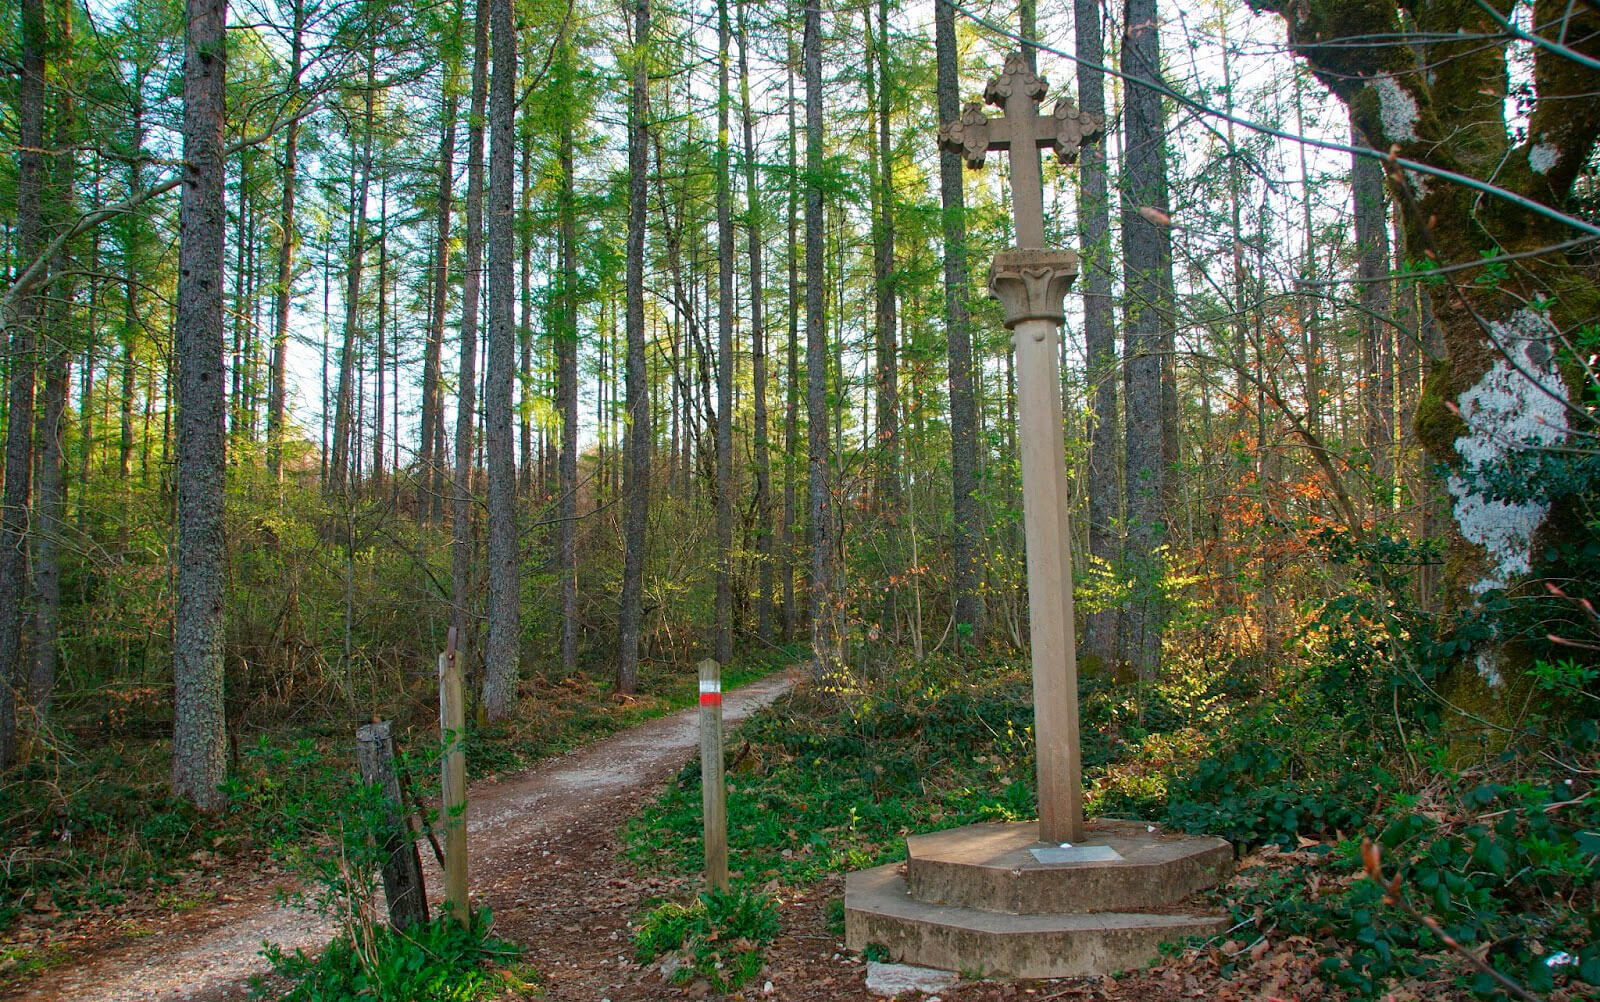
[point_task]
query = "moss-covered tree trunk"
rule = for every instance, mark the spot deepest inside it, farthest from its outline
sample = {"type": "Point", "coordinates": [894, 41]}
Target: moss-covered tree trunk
{"type": "Point", "coordinates": [1501, 389]}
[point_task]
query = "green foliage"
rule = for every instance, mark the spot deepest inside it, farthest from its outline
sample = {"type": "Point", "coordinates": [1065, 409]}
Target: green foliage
{"type": "Point", "coordinates": [719, 935]}
{"type": "Point", "coordinates": [1505, 870]}
{"type": "Point", "coordinates": [820, 784]}
{"type": "Point", "coordinates": [88, 833]}
{"type": "Point", "coordinates": [441, 961]}
{"type": "Point", "coordinates": [1500, 853]}
{"type": "Point", "coordinates": [317, 817]}
{"type": "Point", "coordinates": [1264, 786]}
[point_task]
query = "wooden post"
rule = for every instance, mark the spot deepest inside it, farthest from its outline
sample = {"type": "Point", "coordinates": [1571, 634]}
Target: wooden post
{"type": "Point", "coordinates": [402, 865]}
{"type": "Point", "coordinates": [713, 794]}
{"type": "Point", "coordinates": [453, 764]}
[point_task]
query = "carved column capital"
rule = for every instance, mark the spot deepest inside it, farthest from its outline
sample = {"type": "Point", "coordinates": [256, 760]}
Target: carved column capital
{"type": "Point", "coordinates": [1030, 283]}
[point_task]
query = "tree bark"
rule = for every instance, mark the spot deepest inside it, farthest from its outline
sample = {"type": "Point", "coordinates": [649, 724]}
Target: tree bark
{"type": "Point", "coordinates": [471, 289]}
{"type": "Point", "coordinates": [758, 347]}
{"type": "Point", "coordinates": [824, 643]}
{"type": "Point", "coordinates": [1146, 247]}
{"type": "Point", "coordinates": [1094, 214]}
{"type": "Point", "coordinates": [636, 482]}
{"type": "Point", "coordinates": [791, 411]}
{"type": "Point", "coordinates": [383, 347]}
{"type": "Point", "coordinates": [567, 374]}
{"type": "Point", "coordinates": [288, 237]}
{"type": "Point", "coordinates": [1503, 391]}
{"type": "Point", "coordinates": [887, 418]}
{"type": "Point", "coordinates": [525, 464]}
{"type": "Point", "coordinates": [725, 360]}
{"type": "Point", "coordinates": [1376, 298]}
{"type": "Point", "coordinates": [199, 740]}
{"type": "Point", "coordinates": [52, 502]}
{"type": "Point", "coordinates": [967, 542]}
{"type": "Point", "coordinates": [430, 444]}
{"type": "Point", "coordinates": [341, 466]}
{"type": "Point", "coordinates": [505, 613]}
{"type": "Point", "coordinates": [23, 345]}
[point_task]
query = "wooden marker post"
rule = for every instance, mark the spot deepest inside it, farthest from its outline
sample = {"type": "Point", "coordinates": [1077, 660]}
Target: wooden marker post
{"type": "Point", "coordinates": [402, 865]}
{"type": "Point", "coordinates": [453, 765]}
{"type": "Point", "coordinates": [713, 794]}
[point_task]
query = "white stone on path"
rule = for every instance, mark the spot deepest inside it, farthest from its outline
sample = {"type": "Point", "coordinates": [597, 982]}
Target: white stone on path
{"type": "Point", "coordinates": [888, 980]}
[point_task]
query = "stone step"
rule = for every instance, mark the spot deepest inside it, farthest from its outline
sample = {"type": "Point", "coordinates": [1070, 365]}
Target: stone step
{"type": "Point", "coordinates": [1128, 867]}
{"type": "Point", "coordinates": [878, 909]}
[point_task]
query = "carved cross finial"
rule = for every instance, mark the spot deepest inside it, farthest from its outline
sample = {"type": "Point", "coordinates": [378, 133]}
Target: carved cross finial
{"type": "Point", "coordinates": [1066, 130]}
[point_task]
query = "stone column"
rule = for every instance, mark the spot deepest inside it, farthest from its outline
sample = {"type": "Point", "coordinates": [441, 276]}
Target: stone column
{"type": "Point", "coordinates": [1030, 284]}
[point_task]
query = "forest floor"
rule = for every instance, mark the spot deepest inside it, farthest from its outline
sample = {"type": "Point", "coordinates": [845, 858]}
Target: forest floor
{"type": "Point", "coordinates": [543, 858]}
{"type": "Point", "coordinates": [548, 860]}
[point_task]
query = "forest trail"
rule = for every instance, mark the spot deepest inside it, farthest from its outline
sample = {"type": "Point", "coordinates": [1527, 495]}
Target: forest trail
{"type": "Point", "coordinates": [545, 818]}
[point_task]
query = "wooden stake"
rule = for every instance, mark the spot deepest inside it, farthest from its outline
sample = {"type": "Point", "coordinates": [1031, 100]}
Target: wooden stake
{"type": "Point", "coordinates": [453, 765]}
{"type": "Point", "coordinates": [713, 794]}
{"type": "Point", "coordinates": [402, 866]}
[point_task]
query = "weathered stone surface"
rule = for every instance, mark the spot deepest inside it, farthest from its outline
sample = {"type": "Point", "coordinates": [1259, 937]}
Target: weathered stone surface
{"type": "Point", "coordinates": [889, 980]}
{"type": "Point", "coordinates": [1030, 284]}
{"type": "Point", "coordinates": [878, 910]}
{"type": "Point", "coordinates": [989, 867]}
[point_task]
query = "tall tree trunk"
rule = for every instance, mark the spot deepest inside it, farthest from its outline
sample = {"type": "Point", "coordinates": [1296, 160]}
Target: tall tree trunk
{"type": "Point", "coordinates": [471, 289]}
{"type": "Point", "coordinates": [824, 643]}
{"type": "Point", "coordinates": [725, 360]}
{"type": "Point", "coordinates": [567, 372]}
{"type": "Point", "coordinates": [758, 346]}
{"type": "Point", "coordinates": [132, 237]}
{"type": "Point", "coordinates": [636, 485]}
{"type": "Point", "coordinates": [505, 612]}
{"type": "Point", "coordinates": [1145, 244]}
{"type": "Point", "coordinates": [1375, 295]}
{"type": "Point", "coordinates": [341, 467]}
{"type": "Point", "coordinates": [1094, 214]}
{"type": "Point", "coordinates": [288, 237]}
{"type": "Point", "coordinates": [791, 389]}
{"type": "Point", "coordinates": [50, 517]}
{"type": "Point", "coordinates": [52, 502]}
{"type": "Point", "coordinates": [430, 436]}
{"type": "Point", "coordinates": [967, 545]}
{"type": "Point", "coordinates": [382, 346]}
{"type": "Point", "coordinates": [199, 740]}
{"type": "Point", "coordinates": [525, 463]}
{"type": "Point", "coordinates": [22, 328]}
{"type": "Point", "coordinates": [888, 361]}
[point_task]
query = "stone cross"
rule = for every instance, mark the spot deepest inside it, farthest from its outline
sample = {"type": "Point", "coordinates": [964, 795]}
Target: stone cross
{"type": "Point", "coordinates": [1030, 281]}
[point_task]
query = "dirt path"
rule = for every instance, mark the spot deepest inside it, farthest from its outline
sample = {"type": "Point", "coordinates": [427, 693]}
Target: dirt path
{"type": "Point", "coordinates": [537, 840]}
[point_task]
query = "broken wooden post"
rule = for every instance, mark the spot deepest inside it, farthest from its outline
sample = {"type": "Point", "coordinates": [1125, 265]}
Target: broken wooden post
{"type": "Point", "coordinates": [453, 765]}
{"type": "Point", "coordinates": [402, 865]}
{"type": "Point", "coordinates": [713, 795]}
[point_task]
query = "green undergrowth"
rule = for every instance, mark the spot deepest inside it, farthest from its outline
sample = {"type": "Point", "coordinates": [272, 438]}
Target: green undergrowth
{"type": "Point", "coordinates": [826, 782]}
{"type": "Point", "coordinates": [717, 936]}
{"type": "Point", "coordinates": [441, 961]}
{"type": "Point", "coordinates": [1297, 764]}
{"type": "Point", "coordinates": [820, 783]}
{"type": "Point", "coordinates": [93, 828]}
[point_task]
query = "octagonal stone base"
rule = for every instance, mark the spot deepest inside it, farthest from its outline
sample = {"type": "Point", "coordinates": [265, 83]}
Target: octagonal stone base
{"type": "Point", "coordinates": [991, 867]}
{"type": "Point", "coordinates": [981, 899]}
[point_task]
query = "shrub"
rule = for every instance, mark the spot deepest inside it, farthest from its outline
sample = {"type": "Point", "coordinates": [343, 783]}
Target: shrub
{"type": "Point", "coordinates": [441, 961]}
